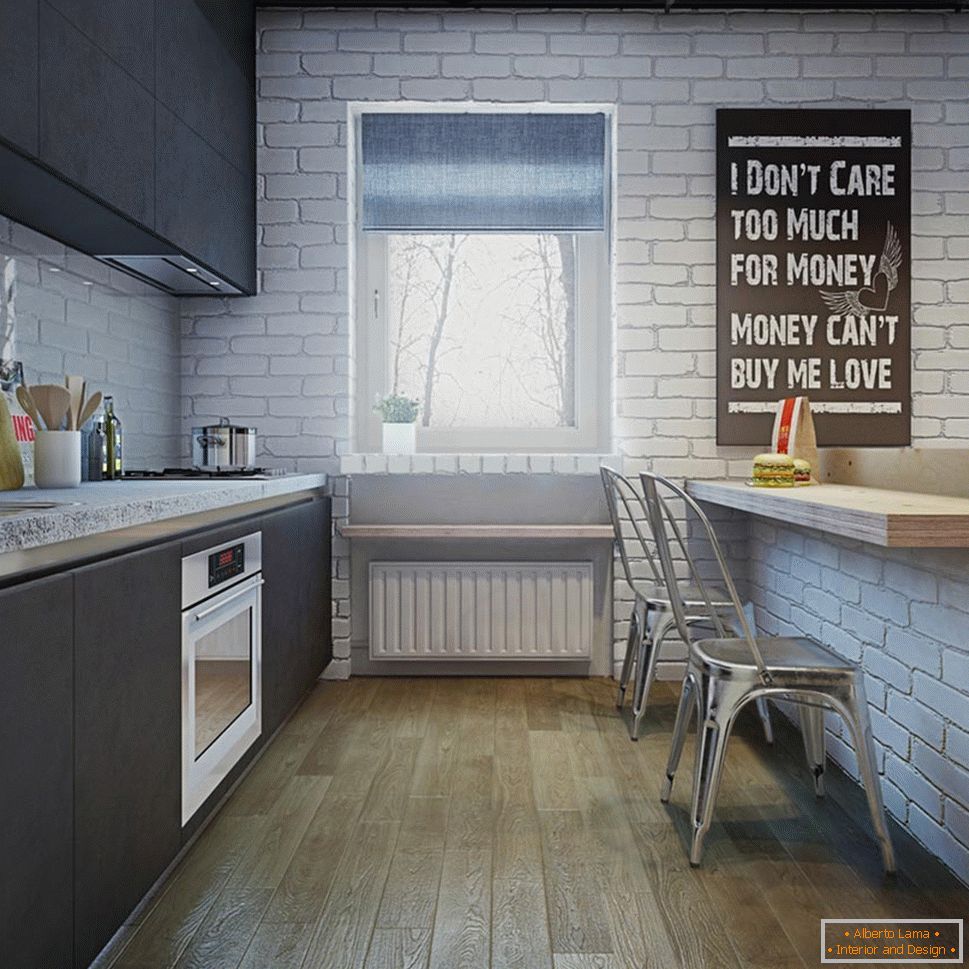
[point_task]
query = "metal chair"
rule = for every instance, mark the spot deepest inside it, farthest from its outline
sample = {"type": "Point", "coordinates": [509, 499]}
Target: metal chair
{"type": "Point", "coordinates": [652, 615]}
{"type": "Point", "coordinates": [723, 675]}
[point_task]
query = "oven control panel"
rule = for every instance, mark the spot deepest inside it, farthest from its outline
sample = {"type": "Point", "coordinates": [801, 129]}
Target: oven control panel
{"type": "Point", "coordinates": [226, 564]}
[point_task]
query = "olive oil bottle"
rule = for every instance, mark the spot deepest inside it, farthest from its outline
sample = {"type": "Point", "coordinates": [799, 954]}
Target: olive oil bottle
{"type": "Point", "coordinates": [113, 443]}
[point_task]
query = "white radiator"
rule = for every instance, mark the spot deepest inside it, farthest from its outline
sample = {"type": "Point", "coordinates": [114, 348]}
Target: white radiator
{"type": "Point", "coordinates": [481, 610]}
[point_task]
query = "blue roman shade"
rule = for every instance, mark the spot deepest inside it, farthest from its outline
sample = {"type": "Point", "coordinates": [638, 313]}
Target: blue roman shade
{"type": "Point", "coordinates": [478, 172]}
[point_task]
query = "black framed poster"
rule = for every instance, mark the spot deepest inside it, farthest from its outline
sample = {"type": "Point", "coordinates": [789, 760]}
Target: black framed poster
{"type": "Point", "coordinates": [814, 273]}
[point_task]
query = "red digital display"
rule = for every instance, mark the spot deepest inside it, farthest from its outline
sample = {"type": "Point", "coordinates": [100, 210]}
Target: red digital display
{"type": "Point", "coordinates": [226, 564]}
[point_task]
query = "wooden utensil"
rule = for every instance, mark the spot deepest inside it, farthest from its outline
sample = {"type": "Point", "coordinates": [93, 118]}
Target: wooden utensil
{"type": "Point", "coordinates": [11, 463]}
{"type": "Point", "coordinates": [90, 406]}
{"type": "Point", "coordinates": [75, 387]}
{"type": "Point", "coordinates": [27, 403]}
{"type": "Point", "coordinates": [53, 403]}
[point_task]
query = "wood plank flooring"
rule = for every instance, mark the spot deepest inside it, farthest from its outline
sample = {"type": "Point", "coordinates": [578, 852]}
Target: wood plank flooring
{"type": "Point", "coordinates": [511, 824]}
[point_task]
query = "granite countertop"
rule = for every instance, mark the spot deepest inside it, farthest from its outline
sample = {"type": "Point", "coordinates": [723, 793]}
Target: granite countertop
{"type": "Point", "coordinates": [104, 506]}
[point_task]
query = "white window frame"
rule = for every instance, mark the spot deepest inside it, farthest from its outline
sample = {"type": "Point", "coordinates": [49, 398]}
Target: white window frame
{"type": "Point", "coordinates": [593, 344]}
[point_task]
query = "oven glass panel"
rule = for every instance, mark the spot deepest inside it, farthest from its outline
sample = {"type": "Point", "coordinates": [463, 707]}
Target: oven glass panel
{"type": "Point", "coordinates": [223, 678]}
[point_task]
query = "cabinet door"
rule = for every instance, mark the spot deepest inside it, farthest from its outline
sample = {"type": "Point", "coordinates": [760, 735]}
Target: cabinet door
{"type": "Point", "coordinates": [36, 687]}
{"type": "Point", "coordinates": [123, 29]}
{"type": "Point", "coordinates": [18, 74]}
{"type": "Point", "coordinates": [204, 204]}
{"type": "Point", "coordinates": [206, 71]}
{"type": "Point", "coordinates": [97, 123]}
{"type": "Point", "coordinates": [282, 612]}
{"type": "Point", "coordinates": [317, 614]}
{"type": "Point", "coordinates": [127, 736]}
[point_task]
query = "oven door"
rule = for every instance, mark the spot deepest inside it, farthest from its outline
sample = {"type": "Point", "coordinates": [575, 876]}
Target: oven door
{"type": "Point", "coordinates": [221, 687]}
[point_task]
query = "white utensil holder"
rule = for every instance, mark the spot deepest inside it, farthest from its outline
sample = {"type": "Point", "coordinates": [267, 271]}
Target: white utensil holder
{"type": "Point", "coordinates": [400, 438]}
{"type": "Point", "coordinates": [57, 459]}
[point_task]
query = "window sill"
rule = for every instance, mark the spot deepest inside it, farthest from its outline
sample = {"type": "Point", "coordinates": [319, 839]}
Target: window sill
{"type": "Point", "coordinates": [353, 464]}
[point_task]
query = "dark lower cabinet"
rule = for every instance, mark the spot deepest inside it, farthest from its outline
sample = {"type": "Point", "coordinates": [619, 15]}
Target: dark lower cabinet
{"type": "Point", "coordinates": [296, 605]}
{"type": "Point", "coordinates": [37, 774]}
{"type": "Point", "coordinates": [127, 722]}
{"type": "Point", "coordinates": [90, 725]}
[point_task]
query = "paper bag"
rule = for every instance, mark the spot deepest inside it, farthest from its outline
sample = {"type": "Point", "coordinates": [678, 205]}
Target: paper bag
{"type": "Point", "coordinates": [793, 432]}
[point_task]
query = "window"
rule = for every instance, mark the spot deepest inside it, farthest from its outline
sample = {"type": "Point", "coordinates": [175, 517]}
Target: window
{"type": "Point", "coordinates": [482, 278]}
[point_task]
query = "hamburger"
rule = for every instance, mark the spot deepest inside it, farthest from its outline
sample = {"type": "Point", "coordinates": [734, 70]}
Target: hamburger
{"type": "Point", "coordinates": [773, 471]}
{"type": "Point", "coordinates": [802, 471]}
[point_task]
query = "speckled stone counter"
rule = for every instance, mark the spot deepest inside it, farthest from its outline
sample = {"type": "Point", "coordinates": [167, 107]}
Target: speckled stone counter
{"type": "Point", "coordinates": [105, 506]}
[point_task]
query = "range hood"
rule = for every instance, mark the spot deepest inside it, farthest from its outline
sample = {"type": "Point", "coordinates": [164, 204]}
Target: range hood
{"type": "Point", "coordinates": [173, 273]}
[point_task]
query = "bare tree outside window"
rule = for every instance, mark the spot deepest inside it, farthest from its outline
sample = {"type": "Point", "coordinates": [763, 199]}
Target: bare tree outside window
{"type": "Point", "coordinates": [483, 328]}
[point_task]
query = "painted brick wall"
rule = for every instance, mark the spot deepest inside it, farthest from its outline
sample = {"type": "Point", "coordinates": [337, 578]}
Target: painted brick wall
{"type": "Point", "coordinates": [903, 615]}
{"type": "Point", "coordinates": [65, 312]}
{"type": "Point", "coordinates": [283, 358]}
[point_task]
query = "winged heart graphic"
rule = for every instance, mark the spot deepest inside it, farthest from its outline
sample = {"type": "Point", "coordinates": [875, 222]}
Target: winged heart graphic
{"type": "Point", "coordinates": [858, 302]}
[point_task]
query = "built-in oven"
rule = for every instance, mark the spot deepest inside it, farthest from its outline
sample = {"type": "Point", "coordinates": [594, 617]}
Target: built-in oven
{"type": "Point", "coordinates": [221, 663]}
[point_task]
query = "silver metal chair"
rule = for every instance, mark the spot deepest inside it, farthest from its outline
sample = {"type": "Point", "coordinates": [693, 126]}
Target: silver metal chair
{"type": "Point", "coordinates": [723, 675]}
{"type": "Point", "coordinates": [652, 614]}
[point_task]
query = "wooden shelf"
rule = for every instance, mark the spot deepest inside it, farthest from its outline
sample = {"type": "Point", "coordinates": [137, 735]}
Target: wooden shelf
{"type": "Point", "coordinates": [526, 532]}
{"type": "Point", "coordinates": [896, 519]}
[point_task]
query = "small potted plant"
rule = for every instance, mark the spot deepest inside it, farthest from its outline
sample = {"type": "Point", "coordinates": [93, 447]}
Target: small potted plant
{"type": "Point", "coordinates": [399, 414]}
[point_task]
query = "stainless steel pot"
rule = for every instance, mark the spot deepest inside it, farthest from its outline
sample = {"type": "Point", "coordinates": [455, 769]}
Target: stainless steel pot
{"type": "Point", "coordinates": [223, 445]}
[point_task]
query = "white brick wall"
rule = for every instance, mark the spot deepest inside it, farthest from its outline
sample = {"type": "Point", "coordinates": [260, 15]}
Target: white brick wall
{"type": "Point", "coordinates": [283, 358]}
{"type": "Point", "coordinates": [69, 313]}
{"type": "Point", "coordinates": [904, 616]}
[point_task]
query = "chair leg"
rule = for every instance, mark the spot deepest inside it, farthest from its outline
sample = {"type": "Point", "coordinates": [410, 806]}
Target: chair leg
{"type": "Point", "coordinates": [684, 713]}
{"type": "Point", "coordinates": [764, 713]}
{"type": "Point", "coordinates": [631, 643]}
{"type": "Point", "coordinates": [763, 710]}
{"type": "Point", "coordinates": [856, 716]}
{"type": "Point", "coordinates": [646, 673]}
{"type": "Point", "coordinates": [812, 733]}
{"type": "Point", "coordinates": [718, 715]}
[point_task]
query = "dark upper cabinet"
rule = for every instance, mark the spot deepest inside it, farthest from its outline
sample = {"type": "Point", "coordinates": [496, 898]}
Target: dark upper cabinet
{"type": "Point", "coordinates": [18, 74]}
{"type": "Point", "coordinates": [204, 204]}
{"type": "Point", "coordinates": [123, 29]}
{"type": "Point", "coordinates": [127, 722]}
{"type": "Point", "coordinates": [36, 765]}
{"type": "Point", "coordinates": [95, 95]}
{"type": "Point", "coordinates": [205, 58]}
{"type": "Point", "coordinates": [96, 121]}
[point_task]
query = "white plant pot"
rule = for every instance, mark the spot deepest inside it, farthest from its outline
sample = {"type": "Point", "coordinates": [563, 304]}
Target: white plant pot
{"type": "Point", "coordinates": [400, 438]}
{"type": "Point", "coordinates": [57, 459]}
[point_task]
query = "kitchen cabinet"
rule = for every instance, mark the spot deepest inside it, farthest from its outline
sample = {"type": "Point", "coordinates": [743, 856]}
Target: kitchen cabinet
{"type": "Point", "coordinates": [203, 204]}
{"type": "Point", "coordinates": [123, 29]}
{"type": "Point", "coordinates": [296, 605]}
{"type": "Point", "coordinates": [128, 129]}
{"type": "Point", "coordinates": [127, 723]}
{"type": "Point", "coordinates": [96, 121]}
{"type": "Point", "coordinates": [18, 74]}
{"type": "Point", "coordinates": [36, 730]}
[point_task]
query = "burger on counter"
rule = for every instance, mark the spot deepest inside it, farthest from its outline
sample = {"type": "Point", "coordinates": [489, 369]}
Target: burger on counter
{"type": "Point", "coordinates": [802, 471]}
{"type": "Point", "coordinates": [774, 471]}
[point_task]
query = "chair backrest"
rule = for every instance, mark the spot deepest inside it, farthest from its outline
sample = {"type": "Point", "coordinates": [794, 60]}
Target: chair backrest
{"type": "Point", "coordinates": [655, 490]}
{"type": "Point", "coordinates": [630, 524]}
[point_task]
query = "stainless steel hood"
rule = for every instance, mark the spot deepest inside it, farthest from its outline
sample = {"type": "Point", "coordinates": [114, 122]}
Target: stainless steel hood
{"type": "Point", "coordinates": [174, 274]}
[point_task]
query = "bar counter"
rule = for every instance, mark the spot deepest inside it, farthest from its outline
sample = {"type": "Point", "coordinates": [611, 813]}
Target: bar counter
{"type": "Point", "coordinates": [892, 519]}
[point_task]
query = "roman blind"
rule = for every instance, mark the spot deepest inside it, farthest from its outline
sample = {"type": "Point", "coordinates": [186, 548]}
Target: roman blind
{"type": "Point", "coordinates": [479, 172]}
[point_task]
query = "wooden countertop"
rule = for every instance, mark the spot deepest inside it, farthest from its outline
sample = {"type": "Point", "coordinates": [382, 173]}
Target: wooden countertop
{"type": "Point", "coordinates": [897, 519]}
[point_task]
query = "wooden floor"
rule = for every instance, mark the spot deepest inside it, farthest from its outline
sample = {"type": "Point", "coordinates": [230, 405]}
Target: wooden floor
{"type": "Point", "coordinates": [463, 823]}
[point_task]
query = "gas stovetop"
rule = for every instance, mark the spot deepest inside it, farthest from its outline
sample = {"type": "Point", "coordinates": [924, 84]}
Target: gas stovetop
{"type": "Point", "coordinates": [176, 474]}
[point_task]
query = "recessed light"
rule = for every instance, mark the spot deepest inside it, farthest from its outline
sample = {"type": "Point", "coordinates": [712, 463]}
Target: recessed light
{"type": "Point", "coordinates": [86, 282]}
{"type": "Point", "coordinates": [53, 269]}
{"type": "Point", "coordinates": [191, 269]}
{"type": "Point", "coordinates": [214, 282]}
